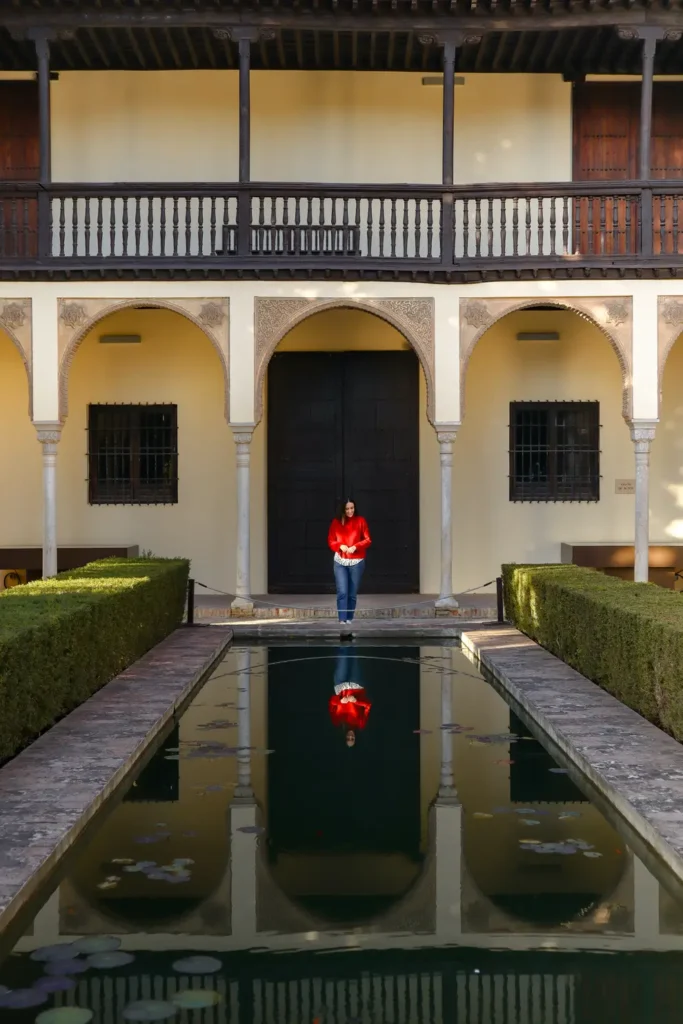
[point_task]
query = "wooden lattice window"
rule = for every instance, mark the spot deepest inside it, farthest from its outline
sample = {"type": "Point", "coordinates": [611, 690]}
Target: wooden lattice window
{"type": "Point", "coordinates": [133, 454]}
{"type": "Point", "coordinates": [554, 451]}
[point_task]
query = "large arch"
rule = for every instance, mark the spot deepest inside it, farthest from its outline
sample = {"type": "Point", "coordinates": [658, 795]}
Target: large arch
{"type": "Point", "coordinates": [669, 328]}
{"type": "Point", "coordinates": [274, 318]}
{"type": "Point", "coordinates": [15, 321]}
{"type": "Point", "coordinates": [77, 317]}
{"type": "Point", "coordinates": [612, 315]}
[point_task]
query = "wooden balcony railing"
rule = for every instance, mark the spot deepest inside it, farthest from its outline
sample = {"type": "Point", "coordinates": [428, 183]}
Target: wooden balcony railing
{"type": "Point", "coordinates": [360, 229]}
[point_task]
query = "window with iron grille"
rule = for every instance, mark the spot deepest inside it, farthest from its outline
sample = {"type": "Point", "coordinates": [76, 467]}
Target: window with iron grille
{"type": "Point", "coordinates": [554, 451]}
{"type": "Point", "coordinates": [133, 454]}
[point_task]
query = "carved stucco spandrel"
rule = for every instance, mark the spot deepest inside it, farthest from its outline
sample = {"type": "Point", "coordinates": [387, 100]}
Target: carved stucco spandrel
{"type": "Point", "coordinates": [669, 327]}
{"type": "Point", "coordinates": [16, 322]}
{"type": "Point", "coordinates": [77, 317]}
{"type": "Point", "coordinates": [611, 314]}
{"type": "Point", "coordinates": [274, 318]}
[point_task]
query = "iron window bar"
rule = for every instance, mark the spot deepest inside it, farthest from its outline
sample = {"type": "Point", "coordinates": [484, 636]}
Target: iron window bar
{"type": "Point", "coordinates": [132, 454]}
{"type": "Point", "coordinates": [554, 451]}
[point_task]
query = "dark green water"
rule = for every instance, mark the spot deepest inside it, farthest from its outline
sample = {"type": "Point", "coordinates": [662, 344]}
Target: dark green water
{"type": "Point", "coordinates": [411, 855]}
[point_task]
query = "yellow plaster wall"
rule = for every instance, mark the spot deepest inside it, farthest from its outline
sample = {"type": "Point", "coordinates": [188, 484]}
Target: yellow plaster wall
{"type": "Point", "coordinates": [21, 495]}
{"type": "Point", "coordinates": [339, 330]}
{"type": "Point", "coordinates": [488, 528]}
{"type": "Point", "coordinates": [175, 363]}
{"type": "Point", "coordinates": [666, 474]}
{"type": "Point", "coordinates": [307, 126]}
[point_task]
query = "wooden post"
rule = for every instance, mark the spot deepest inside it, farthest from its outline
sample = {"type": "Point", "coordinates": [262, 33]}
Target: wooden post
{"type": "Point", "coordinates": [42, 46]}
{"type": "Point", "coordinates": [448, 111]}
{"type": "Point", "coordinates": [650, 38]}
{"type": "Point", "coordinates": [244, 201]}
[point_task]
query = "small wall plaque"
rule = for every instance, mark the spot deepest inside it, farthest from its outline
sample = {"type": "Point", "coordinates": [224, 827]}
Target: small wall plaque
{"type": "Point", "coordinates": [624, 487]}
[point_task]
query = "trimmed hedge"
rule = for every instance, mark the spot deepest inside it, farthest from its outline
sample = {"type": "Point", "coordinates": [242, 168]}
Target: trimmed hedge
{"type": "Point", "coordinates": [61, 639]}
{"type": "Point", "coordinates": [627, 637]}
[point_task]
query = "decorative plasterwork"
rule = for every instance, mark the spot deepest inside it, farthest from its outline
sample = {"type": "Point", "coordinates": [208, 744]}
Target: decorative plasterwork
{"type": "Point", "coordinates": [669, 327]}
{"type": "Point", "coordinates": [16, 322]}
{"type": "Point", "coordinates": [77, 317]}
{"type": "Point", "coordinates": [613, 315]}
{"type": "Point", "coordinates": [274, 318]}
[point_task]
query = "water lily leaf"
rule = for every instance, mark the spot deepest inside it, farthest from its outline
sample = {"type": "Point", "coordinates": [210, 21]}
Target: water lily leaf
{"type": "Point", "coordinates": [97, 944]}
{"type": "Point", "coordinates": [172, 757]}
{"type": "Point", "coordinates": [122, 860]}
{"type": "Point", "coordinates": [530, 842]}
{"type": "Point", "coordinates": [147, 840]}
{"type": "Point", "coordinates": [108, 884]}
{"type": "Point", "coordinates": [591, 853]}
{"type": "Point", "coordinates": [66, 967]}
{"type": "Point", "coordinates": [104, 961]}
{"type": "Point", "coordinates": [482, 814]}
{"type": "Point", "coordinates": [529, 821]}
{"type": "Point", "coordinates": [54, 984]}
{"type": "Point", "coordinates": [47, 954]}
{"type": "Point", "coordinates": [569, 814]}
{"type": "Point", "coordinates": [251, 829]}
{"type": "Point", "coordinates": [196, 999]}
{"type": "Point", "coordinates": [558, 771]}
{"type": "Point", "coordinates": [149, 1010]}
{"type": "Point", "coordinates": [183, 861]}
{"type": "Point", "coordinates": [23, 998]}
{"type": "Point", "coordinates": [197, 965]}
{"type": "Point", "coordinates": [65, 1015]}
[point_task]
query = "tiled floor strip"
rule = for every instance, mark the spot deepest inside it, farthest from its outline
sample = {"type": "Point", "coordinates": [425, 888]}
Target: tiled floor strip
{"type": "Point", "coordinates": [50, 791]}
{"type": "Point", "coordinates": [638, 768]}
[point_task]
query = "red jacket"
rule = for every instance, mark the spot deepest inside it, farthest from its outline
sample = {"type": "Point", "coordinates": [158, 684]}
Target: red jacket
{"type": "Point", "coordinates": [354, 714]}
{"type": "Point", "coordinates": [354, 533]}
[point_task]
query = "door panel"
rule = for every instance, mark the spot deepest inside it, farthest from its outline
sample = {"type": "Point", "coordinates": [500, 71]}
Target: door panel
{"type": "Point", "coordinates": [19, 161]}
{"type": "Point", "coordinates": [342, 424]}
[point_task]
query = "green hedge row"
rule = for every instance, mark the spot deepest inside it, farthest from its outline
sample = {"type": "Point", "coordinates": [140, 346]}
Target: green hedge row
{"type": "Point", "coordinates": [627, 637]}
{"type": "Point", "coordinates": [61, 639]}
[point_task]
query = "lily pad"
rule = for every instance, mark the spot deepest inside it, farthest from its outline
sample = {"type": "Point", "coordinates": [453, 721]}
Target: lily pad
{"type": "Point", "coordinates": [530, 842]}
{"type": "Point", "coordinates": [197, 965]}
{"type": "Point", "coordinates": [58, 967]}
{"type": "Point", "coordinates": [569, 814]}
{"type": "Point", "coordinates": [156, 838]}
{"type": "Point", "coordinates": [529, 821]}
{"type": "Point", "coordinates": [251, 829]}
{"type": "Point", "coordinates": [558, 771]}
{"type": "Point", "coordinates": [183, 861]}
{"type": "Point", "coordinates": [196, 999]}
{"type": "Point", "coordinates": [481, 814]}
{"type": "Point", "coordinates": [149, 1010]}
{"type": "Point", "coordinates": [122, 860]}
{"type": "Point", "coordinates": [108, 884]}
{"type": "Point", "coordinates": [23, 998]}
{"type": "Point", "coordinates": [54, 984]}
{"type": "Point", "coordinates": [48, 954]}
{"type": "Point", "coordinates": [591, 853]}
{"type": "Point", "coordinates": [103, 961]}
{"type": "Point", "coordinates": [65, 1015]}
{"type": "Point", "coordinates": [97, 944]}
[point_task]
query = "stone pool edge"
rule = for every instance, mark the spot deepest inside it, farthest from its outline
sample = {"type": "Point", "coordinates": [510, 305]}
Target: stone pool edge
{"type": "Point", "coordinates": [51, 791]}
{"type": "Point", "coordinates": [633, 764]}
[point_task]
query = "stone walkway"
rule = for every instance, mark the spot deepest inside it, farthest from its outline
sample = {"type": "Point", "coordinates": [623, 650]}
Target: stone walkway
{"type": "Point", "coordinates": [637, 767]}
{"type": "Point", "coordinates": [294, 607]}
{"type": "Point", "coordinates": [50, 791]}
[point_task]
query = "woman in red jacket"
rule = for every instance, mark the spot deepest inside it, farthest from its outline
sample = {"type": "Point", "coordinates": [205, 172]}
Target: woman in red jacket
{"type": "Point", "coordinates": [349, 539]}
{"type": "Point", "coordinates": [349, 706]}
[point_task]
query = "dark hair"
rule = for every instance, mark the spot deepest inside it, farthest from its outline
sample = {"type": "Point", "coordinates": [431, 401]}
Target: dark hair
{"type": "Point", "coordinates": [342, 509]}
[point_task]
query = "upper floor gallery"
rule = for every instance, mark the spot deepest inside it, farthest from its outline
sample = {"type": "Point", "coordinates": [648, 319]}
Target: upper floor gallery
{"type": "Point", "coordinates": [318, 139]}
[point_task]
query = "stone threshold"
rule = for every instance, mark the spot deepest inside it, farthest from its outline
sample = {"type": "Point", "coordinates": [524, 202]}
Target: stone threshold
{"type": "Point", "coordinates": [633, 765]}
{"type": "Point", "coordinates": [329, 629]}
{"type": "Point", "coordinates": [322, 612]}
{"type": "Point", "coordinates": [52, 789]}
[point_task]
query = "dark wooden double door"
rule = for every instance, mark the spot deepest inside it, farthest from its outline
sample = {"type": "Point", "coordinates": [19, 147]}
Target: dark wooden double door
{"type": "Point", "coordinates": [342, 424]}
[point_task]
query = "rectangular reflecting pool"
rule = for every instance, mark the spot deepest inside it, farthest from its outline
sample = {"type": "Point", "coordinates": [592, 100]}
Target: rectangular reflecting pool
{"type": "Point", "coordinates": [350, 833]}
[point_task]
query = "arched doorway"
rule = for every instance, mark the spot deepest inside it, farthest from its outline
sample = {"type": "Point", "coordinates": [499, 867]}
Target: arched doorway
{"type": "Point", "coordinates": [344, 401]}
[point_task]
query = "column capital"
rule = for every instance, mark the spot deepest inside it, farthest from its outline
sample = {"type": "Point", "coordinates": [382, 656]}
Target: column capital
{"type": "Point", "coordinates": [446, 433]}
{"type": "Point", "coordinates": [242, 433]}
{"type": "Point", "coordinates": [643, 434]}
{"type": "Point", "coordinates": [49, 433]}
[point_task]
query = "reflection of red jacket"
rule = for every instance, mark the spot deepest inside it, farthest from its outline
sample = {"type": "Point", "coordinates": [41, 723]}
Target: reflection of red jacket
{"type": "Point", "coordinates": [352, 714]}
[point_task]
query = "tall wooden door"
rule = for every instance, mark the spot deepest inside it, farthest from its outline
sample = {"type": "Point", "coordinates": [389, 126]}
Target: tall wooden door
{"type": "Point", "coordinates": [607, 148]}
{"type": "Point", "coordinates": [342, 425]}
{"type": "Point", "coordinates": [19, 161]}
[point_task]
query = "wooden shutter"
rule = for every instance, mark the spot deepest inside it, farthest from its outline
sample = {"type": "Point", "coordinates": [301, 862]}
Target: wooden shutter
{"type": "Point", "coordinates": [19, 136]}
{"type": "Point", "coordinates": [666, 161]}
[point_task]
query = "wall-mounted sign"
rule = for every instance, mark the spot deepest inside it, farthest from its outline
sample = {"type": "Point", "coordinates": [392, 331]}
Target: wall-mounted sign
{"type": "Point", "coordinates": [624, 487]}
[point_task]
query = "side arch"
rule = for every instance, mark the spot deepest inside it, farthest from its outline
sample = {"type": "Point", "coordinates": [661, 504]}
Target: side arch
{"type": "Point", "coordinates": [612, 315]}
{"type": "Point", "coordinates": [77, 317]}
{"type": "Point", "coordinates": [16, 322]}
{"type": "Point", "coordinates": [274, 318]}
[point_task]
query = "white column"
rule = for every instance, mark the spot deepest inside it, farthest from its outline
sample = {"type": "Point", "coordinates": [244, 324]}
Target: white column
{"type": "Point", "coordinates": [243, 788]}
{"type": "Point", "coordinates": [446, 439]}
{"type": "Point", "coordinates": [243, 435]}
{"type": "Point", "coordinates": [49, 436]}
{"type": "Point", "coordinates": [642, 435]}
{"type": "Point", "coordinates": [448, 829]}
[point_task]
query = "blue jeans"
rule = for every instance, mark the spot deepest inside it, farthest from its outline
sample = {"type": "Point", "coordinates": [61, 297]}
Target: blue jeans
{"type": "Point", "coordinates": [347, 581]}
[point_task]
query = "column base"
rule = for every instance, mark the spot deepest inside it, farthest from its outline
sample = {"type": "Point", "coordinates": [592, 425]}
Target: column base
{"type": "Point", "coordinates": [243, 795]}
{"type": "Point", "coordinates": [449, 603]}
{"type": "Point", "coordinates": [447, 797]}
{"type": "Point", "coordinates": [242, 605]}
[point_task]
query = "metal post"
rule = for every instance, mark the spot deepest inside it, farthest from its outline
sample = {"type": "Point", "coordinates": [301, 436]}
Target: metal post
{"type": "Point", "coordinates": [190, 602]}
{"type": "Point", "coordinates": [499, 599]}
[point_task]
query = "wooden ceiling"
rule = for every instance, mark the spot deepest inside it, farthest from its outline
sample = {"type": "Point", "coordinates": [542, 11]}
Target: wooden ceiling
{"type": "Point", "coordinates": [568, 37]}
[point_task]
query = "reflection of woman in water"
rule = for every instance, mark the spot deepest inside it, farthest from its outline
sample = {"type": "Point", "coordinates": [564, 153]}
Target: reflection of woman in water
{"type": "Point", "coordinates": [349, 706]}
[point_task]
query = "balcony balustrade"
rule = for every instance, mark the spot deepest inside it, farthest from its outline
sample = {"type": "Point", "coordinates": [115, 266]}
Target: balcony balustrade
{"type": "Point", "coordinates": [426, 231]}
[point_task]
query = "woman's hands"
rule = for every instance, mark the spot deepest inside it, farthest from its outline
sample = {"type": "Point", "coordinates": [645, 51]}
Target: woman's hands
{"type": "Point", "coordinates": [343, 548]}
{"type": "Point", "coordinates": [346, 550]}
